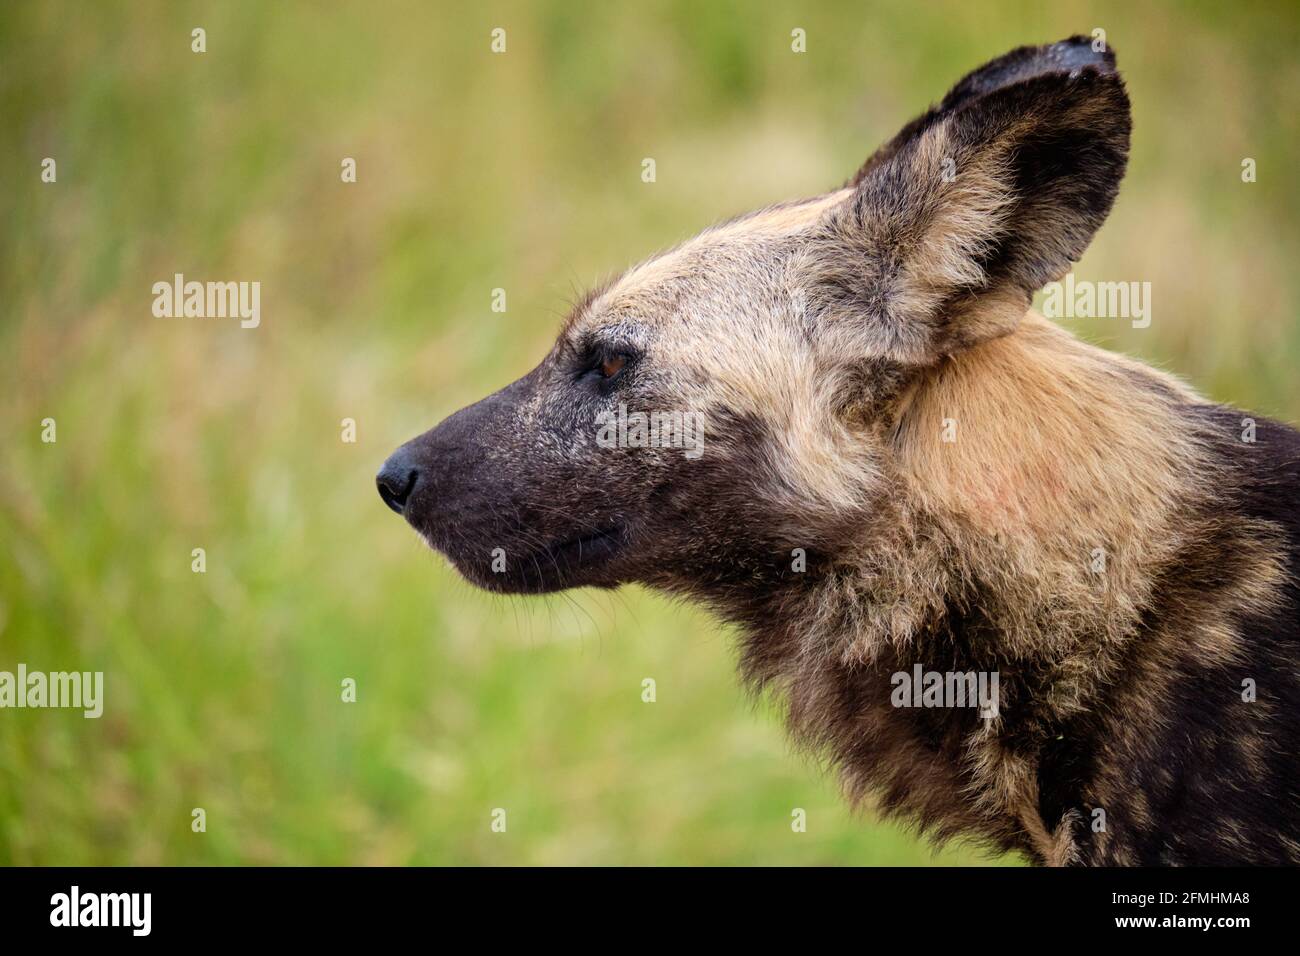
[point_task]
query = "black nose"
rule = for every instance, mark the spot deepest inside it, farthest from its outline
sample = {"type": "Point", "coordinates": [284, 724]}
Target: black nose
{"type": "Point", "coordinates": [397, 480]}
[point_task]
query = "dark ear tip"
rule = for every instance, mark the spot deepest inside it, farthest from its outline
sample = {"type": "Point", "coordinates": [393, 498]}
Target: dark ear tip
{"type": "Point", "coordinates": [1018, 74]}
{"type": "Point", "coordinates": [1076, 53]}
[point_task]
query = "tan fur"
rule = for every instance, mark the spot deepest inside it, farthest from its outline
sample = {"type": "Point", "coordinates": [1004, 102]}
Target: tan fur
{"type": "Point", "coordinates": [1060, 449]}
{"type": "Point", "coordinates": [682, 261]}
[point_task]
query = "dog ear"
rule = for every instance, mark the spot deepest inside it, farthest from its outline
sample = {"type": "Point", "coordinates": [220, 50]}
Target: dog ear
{"type": "Point", "coordinates": [979, 202]}
{"type": "Point", "coordinates": [1021, 63]}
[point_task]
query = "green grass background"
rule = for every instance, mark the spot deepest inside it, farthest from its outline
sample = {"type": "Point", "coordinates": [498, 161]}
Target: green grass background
{"type": "Point", "coordinates": [476, 171]}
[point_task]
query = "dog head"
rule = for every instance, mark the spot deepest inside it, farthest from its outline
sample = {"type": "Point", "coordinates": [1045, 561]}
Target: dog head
{"type": "Point", "coordinates": [728, 404]}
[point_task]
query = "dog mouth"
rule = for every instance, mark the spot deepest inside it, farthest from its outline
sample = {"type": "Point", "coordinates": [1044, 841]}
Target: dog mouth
{"type": "Point", "coordinates": [581, 549]}
{"type": "Point", "coordinates": [582, 560]}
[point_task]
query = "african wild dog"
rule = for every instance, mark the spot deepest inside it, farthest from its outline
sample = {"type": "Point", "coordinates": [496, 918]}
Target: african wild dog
{"type": "Point", "coordinates": [1095, 533]}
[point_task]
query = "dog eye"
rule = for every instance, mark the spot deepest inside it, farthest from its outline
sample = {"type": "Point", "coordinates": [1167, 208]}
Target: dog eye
{"type": "Point", "coordinates": [603, 366]}
{"type": "Point", "coordinates": [612, 365]}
